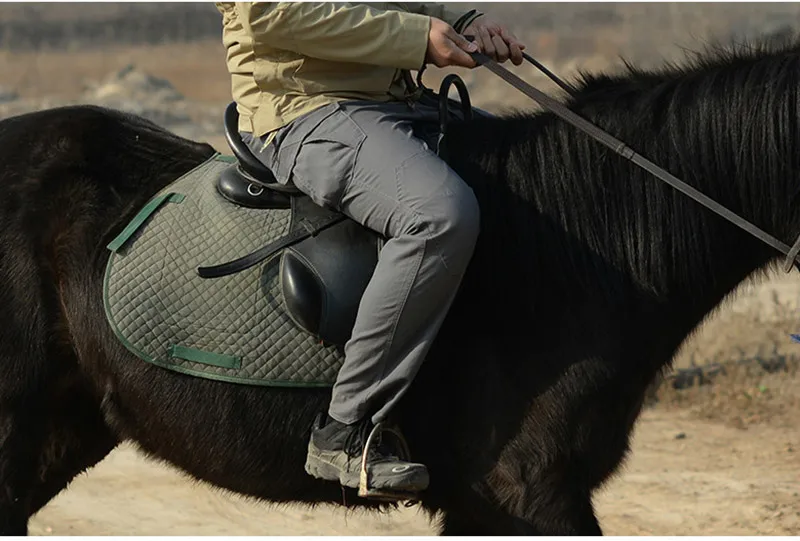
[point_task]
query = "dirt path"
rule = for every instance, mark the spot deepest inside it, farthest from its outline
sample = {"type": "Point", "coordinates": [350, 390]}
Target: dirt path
{"type": "Point", "coordinates": [692, 477]}
{"type": "Point", "coordinates": [685, 476]}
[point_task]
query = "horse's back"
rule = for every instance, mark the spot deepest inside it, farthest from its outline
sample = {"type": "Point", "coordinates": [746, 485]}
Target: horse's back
{"type": "Point", "coordinates": [69, 177]}
{"type": "Point", "coordinates": [95, 143]}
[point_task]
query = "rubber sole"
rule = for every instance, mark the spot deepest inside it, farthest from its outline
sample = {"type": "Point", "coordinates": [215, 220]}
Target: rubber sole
{"type": "Point", "coordinates": [328, 472]}
{"type": "Point", "coordinates": [323, 470]}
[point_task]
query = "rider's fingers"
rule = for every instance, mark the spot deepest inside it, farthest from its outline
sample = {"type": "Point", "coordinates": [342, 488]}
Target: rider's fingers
{"type": "Point", "coordinates": [501, 49]}
{"type": "Point", "coordinates": [486, 41]}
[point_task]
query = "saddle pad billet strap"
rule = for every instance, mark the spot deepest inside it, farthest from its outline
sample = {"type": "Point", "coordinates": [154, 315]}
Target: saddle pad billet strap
{"type": "Point", "coordinates": [263, 253]}
{"type": "Point", "coordinates": [628, 153]}
{"type": "Point", "coordinates": [205, 357]}
{"type": "Point", "coordinates": [141, 217]}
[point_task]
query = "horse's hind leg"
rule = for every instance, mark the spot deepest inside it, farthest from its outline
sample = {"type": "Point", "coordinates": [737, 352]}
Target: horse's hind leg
{"type": "Point", "coordinates": [37, 455]}
{"type": "Point", "coordinates": [50, 423]}
{"type": "Point", "coordinates": [46, 441]}
{"type": "Point", "coordinates": [77, 439]}
{"type": "Point", "coordinates": [21, 434]}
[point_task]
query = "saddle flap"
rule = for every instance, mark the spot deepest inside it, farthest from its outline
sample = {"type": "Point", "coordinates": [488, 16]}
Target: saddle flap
{"type": "Point", "coordinates": [324, 276]}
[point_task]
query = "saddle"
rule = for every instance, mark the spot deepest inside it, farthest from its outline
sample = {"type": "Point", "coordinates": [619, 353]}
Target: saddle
{"type": "Point", "coordinates": [326, 259]}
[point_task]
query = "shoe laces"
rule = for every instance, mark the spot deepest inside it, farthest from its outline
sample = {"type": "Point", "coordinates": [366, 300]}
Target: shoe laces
{"type": "Point", "coordinates": [357, 438]}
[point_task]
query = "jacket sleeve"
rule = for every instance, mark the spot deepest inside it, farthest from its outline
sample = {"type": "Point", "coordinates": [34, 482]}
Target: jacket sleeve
{"type": "Point", "coordinates": [457, 19]}
{"type": "Point", "coordinates": [339, 31]}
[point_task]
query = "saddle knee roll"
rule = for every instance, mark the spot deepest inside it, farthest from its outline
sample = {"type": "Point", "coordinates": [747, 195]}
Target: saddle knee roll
{"type": "Point", "coordinates": [324, 277]}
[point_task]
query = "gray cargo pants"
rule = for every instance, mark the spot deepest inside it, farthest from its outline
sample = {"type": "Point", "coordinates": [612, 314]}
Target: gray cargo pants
{"type": "Point", "coordinates": [363, 159]}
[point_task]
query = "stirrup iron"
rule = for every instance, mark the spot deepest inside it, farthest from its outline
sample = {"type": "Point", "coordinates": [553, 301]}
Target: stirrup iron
{"type": "Point", "coordinates": [364, 490]}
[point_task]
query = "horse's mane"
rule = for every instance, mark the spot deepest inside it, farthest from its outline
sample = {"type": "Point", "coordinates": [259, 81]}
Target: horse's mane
{"type": "Point", "coordinates": [724, 121]}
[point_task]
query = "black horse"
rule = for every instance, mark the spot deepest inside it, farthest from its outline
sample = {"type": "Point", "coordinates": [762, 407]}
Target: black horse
{"type": "Point", "coordinates": [588, 275]}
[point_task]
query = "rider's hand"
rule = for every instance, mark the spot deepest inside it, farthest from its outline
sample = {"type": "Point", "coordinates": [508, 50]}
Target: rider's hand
{"type": "Point", "coordinates": [446, 47]}
{"type": "Point", "coordinates": [495, 40]}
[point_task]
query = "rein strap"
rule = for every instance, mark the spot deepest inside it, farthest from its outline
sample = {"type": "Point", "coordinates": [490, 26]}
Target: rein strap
{"type": "Point", "coordinates": [628, 153]}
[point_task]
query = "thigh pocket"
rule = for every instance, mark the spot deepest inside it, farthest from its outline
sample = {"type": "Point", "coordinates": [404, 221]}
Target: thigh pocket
{"type": "Point", "coordinates": [326, 159]}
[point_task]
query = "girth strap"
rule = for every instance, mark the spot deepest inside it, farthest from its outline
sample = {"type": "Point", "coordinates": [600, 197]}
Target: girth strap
{"type": "Point", "coordinates": [628, 153]}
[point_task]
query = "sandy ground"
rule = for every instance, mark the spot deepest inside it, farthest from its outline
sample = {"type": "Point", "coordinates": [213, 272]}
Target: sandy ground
{"type": "Point", "coordinates": [686, 476]}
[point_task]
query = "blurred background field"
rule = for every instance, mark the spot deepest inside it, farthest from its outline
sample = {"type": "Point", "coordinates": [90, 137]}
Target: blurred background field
{"type": "Point", "coordinates": [165, 61]}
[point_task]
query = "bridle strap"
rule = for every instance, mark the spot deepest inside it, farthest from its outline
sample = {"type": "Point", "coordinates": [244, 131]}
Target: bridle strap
{"type": "Point", "coordinates": [628, 153]}
{"type": "Point", "coordinates": [791, 257]}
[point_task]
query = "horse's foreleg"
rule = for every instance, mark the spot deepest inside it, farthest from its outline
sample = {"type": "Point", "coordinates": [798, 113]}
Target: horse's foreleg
{"type": "Point", "coordinates": [465, 523]}
{"type": "Point", "coordinates": [564, 514]}
{"type": "Point", "coordinates": [560, 515]}
{"type": "Point", "coordinates": [541, 498]}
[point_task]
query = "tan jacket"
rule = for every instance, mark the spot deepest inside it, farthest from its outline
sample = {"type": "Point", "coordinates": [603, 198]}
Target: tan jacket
{"type": "Point", "coordinates": [287, 58]}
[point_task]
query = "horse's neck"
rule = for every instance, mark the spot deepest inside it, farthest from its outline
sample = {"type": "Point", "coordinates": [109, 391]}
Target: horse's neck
{"type": "Point", "coordinates": [566, 228]}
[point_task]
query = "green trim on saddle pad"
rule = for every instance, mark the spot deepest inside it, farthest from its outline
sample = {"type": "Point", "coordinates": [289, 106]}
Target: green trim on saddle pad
{"type": "Point", "coordinates": [205, 357]}
{"type": "Point", "coordinates": [141, 217]}
{"type": "Point", "coordinates": [232, 328]}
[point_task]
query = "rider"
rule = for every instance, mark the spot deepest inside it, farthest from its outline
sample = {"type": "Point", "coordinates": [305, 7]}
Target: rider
{"type": "Point", "coordinates": [323, 102]}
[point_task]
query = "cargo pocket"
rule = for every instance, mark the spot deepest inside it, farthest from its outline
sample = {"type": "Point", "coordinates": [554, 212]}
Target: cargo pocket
{"type": "Point", "coordinates": [326, 159]}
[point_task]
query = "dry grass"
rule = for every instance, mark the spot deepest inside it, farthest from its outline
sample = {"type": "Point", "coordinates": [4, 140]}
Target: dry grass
{"type": "Point", "coordinates": [741, 396]}
{"type": "Point", "coordinates": [741, 367]}
{"type": "Point", "coordinates": [197, 70]}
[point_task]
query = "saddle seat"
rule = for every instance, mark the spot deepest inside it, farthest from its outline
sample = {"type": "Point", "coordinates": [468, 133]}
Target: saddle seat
{"type": "Point", "coordinates": [326, 260]}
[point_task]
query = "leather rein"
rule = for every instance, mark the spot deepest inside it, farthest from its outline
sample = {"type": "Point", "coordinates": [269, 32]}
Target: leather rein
{"type": "Point", "coordinates": [628, 153]}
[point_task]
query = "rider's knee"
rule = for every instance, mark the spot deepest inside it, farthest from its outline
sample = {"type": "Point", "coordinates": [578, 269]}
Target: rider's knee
{"type": "Point", "coordinates": [466, 220]}
{"type": "Point", "coordinates": [454, 226]}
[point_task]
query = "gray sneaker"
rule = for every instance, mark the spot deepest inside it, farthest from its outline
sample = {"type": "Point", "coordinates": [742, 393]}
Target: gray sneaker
{"type": "Point", "coordinates": [335, 452]}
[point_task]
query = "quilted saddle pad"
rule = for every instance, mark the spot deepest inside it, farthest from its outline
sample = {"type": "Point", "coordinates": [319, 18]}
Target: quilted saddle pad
{"type": "Point", "coordinates": [233, 328]}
